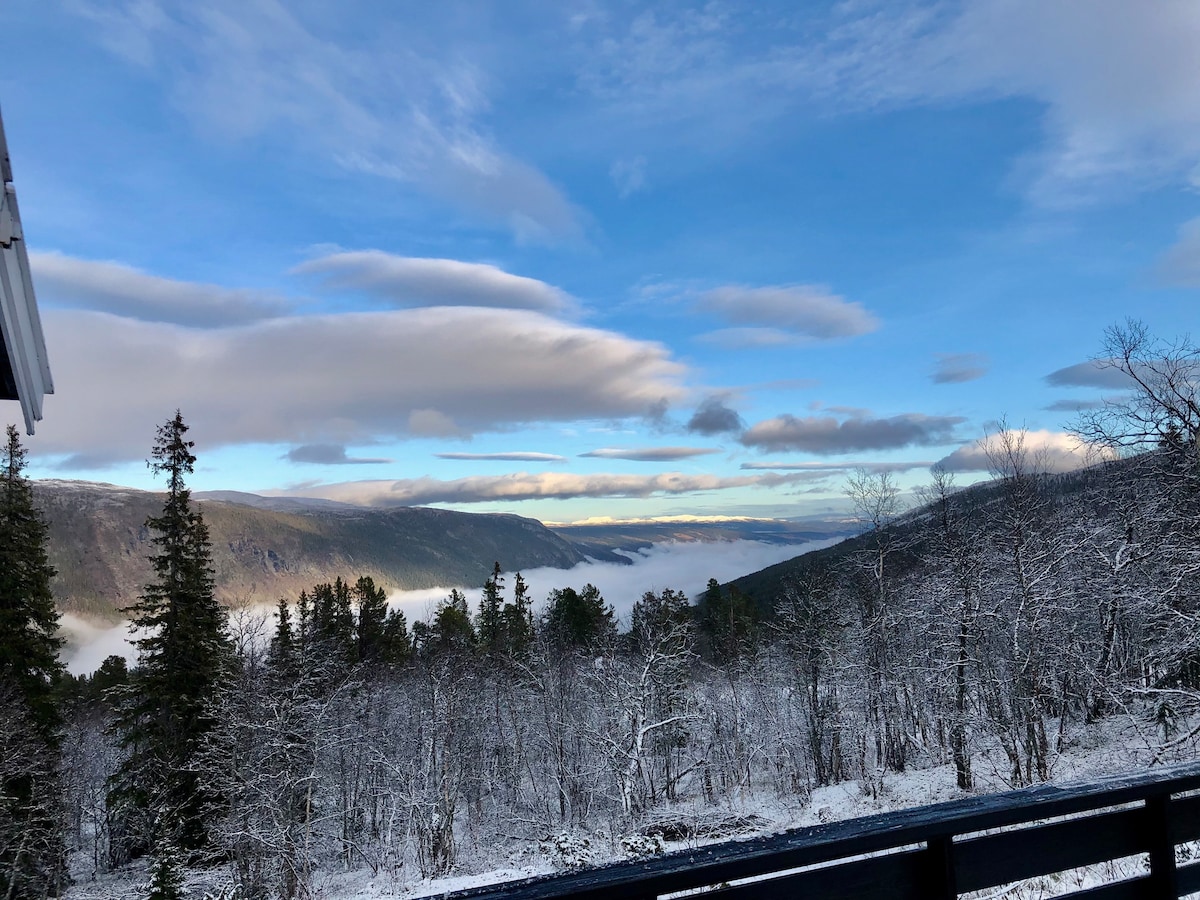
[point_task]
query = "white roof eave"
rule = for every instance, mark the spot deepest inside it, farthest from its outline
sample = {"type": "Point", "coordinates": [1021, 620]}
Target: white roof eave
{"type": "Point", "coordinates": [20, 323]}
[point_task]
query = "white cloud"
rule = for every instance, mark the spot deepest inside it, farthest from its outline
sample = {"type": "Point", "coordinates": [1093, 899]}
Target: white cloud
{"type": "Point", "coordinates": [806, 311]}
{"type": "Point", "coordinates": [650, 454]}
{"type": "Point", "coordinates": [329, 455]}
{"type": "Point", "coordinates": [117, 288]}
{"type": "Point", "coordinates": [680, 566]}
{"type": "Point", "coordinates": [406, 281]}
{"type": "Point", "coordinates": [350, 378]}
{"type": "Point", "coordinates": [1073, 406]}
{"type": "Point", "coordinates": [825, 435]}
{"type": "Point", "coordinates": [1181, 263]}
{"type": "Point", "coordinates": [629, 175]}
{"type": "Point", "coordinates": [88, 644]}
{"type": "Point", "coordinates": [1045, 451]}
{"type": "Point", "coordinates": [1115, 81]}
{"type": "Point", "coordinates": [749, 338]}
{"type": "Point", "coordinates": [433, 423]}
{"type": "Point", "coordinates": [715, 416]}
{"type": "Point", "coordinates": [526, 486]}
{"type": "Point", "coordinates": [1118, 81]}
{"type": "Point", "coordinates": [241, 69]}
{"type": "Point", "coordinates": [955, 368]}
{"type": "Point", "coordinates": [1093, 373]}
{"type": "Point", "coordinates": [509, 456]}
{"type": "Point", "coordinates": [659, 65]}
{"type": "Point", "coordinates": [835, 467]}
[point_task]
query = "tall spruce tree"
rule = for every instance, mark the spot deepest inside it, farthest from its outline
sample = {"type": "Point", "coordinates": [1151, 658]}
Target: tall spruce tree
{"type": "Point", "coordinates": [372, 620]}
{"type": "Point", "coordinates": [490, 624]}
{"type": "Point", "coordinates": [727, 619]}
{"type": "Point", "coordinates": [518, 619]}
{"type": "Point", "coordinates": [451, 633]}
{"type": "Point", "coordinates": [578, 618]}
{"type": "Point", "coordinates": [32, 856]}
{"type": "Point", "coordinates": [184, 652]}
{"type": "Point", "coordinates": [282, 656]}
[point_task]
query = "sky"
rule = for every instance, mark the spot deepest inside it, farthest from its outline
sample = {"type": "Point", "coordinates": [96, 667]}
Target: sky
{"type": "Point", "coordinates": [580, 260]}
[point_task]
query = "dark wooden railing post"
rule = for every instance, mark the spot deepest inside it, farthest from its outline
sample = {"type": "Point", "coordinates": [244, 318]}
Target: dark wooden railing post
{"type": "Point", "coordinates": [1163, 882]}
{"type": "Point", "coordinates": [930, 853]}
{"type": "Point", "coordinates": [942, 883]}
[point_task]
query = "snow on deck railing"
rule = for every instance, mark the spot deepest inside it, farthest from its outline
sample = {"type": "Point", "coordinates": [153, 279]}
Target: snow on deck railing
{"type": "Point", "coordinates": [939, 851]}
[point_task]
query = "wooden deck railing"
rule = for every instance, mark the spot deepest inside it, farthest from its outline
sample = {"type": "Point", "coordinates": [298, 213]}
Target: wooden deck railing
{"type": "Point", "coordinates": [929, 852]}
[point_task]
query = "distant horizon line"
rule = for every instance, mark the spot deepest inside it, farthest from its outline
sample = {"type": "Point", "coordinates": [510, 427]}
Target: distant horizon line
{"type": "Point", "coordinates": [221, 495]}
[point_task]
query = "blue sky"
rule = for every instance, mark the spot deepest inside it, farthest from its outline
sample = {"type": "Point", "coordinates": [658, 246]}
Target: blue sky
{"type": "Point", "coordinates": [581, 259]}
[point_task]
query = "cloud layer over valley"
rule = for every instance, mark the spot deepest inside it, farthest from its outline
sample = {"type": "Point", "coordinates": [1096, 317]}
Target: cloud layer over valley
{"type": "Point", "coordinates": [680, 566]}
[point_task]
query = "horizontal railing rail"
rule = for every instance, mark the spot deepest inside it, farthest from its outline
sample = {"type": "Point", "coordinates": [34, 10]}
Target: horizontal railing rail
{"type": "Point", "coordinates": [928, 852]}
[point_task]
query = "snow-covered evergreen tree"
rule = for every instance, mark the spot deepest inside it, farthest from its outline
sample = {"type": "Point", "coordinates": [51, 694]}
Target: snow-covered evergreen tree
{"type": "Point", "coordinates": [158, 793]}
{"type": "Point", "coordinates": [31, 840]}
{"type": "Point", "coordinates": [166, 875]}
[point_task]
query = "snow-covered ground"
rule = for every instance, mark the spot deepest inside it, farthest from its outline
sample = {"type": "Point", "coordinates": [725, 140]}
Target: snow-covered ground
{"type": "Point", "coordinates": [1120, 743]}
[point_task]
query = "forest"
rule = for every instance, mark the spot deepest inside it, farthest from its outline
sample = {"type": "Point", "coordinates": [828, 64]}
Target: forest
{"type": "Point", "coordinates": [982, 629]}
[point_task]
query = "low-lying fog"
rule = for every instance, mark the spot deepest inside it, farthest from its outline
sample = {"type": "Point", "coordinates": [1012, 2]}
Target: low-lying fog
{"type": "Point", "coordinates": [682, 566]}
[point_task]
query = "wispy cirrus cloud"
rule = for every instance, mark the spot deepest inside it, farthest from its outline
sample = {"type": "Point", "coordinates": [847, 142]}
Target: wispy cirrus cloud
{"type": "Point", "coordinates": [126, 291]}
{"type": "Point", "coordinates": [650, 454]}
{"type": "Point", "coordinates": [827, 436]}
{"type": "Point", "coordinates": [405, 281]}
{"type": "Point", "coordinates": [629, 175]}
{"type": "Point", "coordinates": [1116, 85]}
{"type": "Point", "coordinates": [374, 104]}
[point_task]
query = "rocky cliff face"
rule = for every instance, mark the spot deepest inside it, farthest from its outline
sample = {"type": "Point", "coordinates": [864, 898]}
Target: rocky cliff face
{"type": "Point", "coordinates": [100, 546]}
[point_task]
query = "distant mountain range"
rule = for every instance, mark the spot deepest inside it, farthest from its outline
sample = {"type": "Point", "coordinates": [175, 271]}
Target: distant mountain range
{"type": "Point", "coordinates": [265, 548]}
{"type": "Point", "coordinates": [271, 549]}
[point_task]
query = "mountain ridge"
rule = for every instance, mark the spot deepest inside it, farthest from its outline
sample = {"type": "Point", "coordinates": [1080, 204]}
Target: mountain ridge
{"type": "Point", "coordinates": [99, 543]}
{"type": "Point", "coordinates": [265, 548]}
